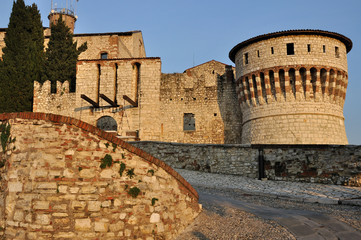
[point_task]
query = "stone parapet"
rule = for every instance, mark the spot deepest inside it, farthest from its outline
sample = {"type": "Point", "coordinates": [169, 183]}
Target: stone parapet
{"type": "Point", "coordinates": [328, 164]}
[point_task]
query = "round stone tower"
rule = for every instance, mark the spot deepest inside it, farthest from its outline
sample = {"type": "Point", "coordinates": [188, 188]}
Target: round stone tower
{"type": "Point", "coordinates": [67, 12]}
{"type": "Point", "coordinates": [291, 86]}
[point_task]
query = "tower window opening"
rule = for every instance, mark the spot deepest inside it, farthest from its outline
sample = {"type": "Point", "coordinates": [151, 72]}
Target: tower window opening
{"type": "Point", "coordinates": [272, 50]}
{"type": "Point", "coordinates": [337, 52]}
{"type": "Point", "coordinates": [308, 47]}
{"type": "Point", "coordinates": [290, 49]}
{"type": "Point", "coordinates": [258, 53]}
{"type": "Point", "coordinates": [246, 58]}
{"type": "Point", "coordinates": [324, 48]}
{"type": "Point", "coordinates": [104, 55]}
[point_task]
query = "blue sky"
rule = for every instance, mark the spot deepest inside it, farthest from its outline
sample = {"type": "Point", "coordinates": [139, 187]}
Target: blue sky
{"type": "Point", "coordinates": [190, 32]}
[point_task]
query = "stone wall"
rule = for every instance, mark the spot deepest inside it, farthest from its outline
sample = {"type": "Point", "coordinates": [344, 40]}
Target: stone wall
{"type": "Point", "coordinates": [113, 78]}
{"type": "Point", "coordinates": [56, 187]}
{"type": "Point", "coordinates": [117, 45]}
{"type": "Point", "coordinates": [301, 56]}
{"type": "Point", "coordinates": [331, 164]}
{"type": "Point", "coordinates": [208, 92]}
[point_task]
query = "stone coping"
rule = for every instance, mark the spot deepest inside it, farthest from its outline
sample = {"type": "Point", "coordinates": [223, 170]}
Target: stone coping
{"type": "Point", "coordinates": [106, 136]}
{"type": "Point", "coordinates": [255, 146]}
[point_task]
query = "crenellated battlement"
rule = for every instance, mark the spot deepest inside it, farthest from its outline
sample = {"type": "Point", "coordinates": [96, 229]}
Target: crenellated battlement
{"type": "Point", "coordinates": [45, 87]}
{"type": "Point", "coordinates": [61, 101]}
{"type": "Point", "coordinates": [293, 83]}
{"type": "Point", "coordinates": [291, 87]}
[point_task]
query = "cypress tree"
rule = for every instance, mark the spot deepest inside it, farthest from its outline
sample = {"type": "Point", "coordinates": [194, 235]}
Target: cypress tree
{"type": "Point", "coordinates": [23, 58]}
{"type": "Point", "coordinates": [61, 55]}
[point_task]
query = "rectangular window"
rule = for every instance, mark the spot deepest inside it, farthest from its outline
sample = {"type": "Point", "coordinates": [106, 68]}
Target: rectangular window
{"type": "Point", "coordinates": [324, 48]}
{"type": "Point", "coordinates": [104, 55]}
{"type": "Point", "coordinates": [309, 47]}
{"type": "Point", "coordinates": [257, 53]}
{"type": "Point", "coordinates": [290, 49]}
{"type": "Point", "coordinates": [245, 58]}
{"type": "Point", "coordinates": [272, 51]}
{"type": "Point", "coordinates": [189, 122]}
{"type": "Point", "coordinates": [337, 53]}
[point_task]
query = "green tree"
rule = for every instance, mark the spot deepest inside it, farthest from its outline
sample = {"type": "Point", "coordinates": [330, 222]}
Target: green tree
{"type": "Point", "coordinates": [61, 55]}
{"type": "Point", "coordinates": [23, 58]}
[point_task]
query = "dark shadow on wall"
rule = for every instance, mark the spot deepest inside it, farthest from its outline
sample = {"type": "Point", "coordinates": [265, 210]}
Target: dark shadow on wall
{"type": "Point", "coordinates": [229, 107]}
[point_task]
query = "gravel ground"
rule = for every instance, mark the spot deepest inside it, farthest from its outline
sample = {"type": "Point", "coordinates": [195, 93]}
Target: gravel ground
{"type": "Point", "coordinates": [345, 213]}
{"type": "Point", "coordinates": [225, 223]}
{"type": "Point", "coordinates": [219, 222]}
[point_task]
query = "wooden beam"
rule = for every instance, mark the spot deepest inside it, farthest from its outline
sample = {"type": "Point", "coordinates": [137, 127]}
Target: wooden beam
{"type": "Point", "coordinates": [105, 98]}
{"type": "Point", "coordinates": [94, 104]}
{"type": "Point", "coordinates": [126, 98]}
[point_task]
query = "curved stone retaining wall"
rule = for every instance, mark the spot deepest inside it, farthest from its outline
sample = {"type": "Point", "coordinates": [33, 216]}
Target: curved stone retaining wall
{"type": "Point", "coordinates": [58, 185]}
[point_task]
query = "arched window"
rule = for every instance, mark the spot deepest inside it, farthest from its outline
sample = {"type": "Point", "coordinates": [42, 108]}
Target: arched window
{"type": "Point", "coordinates": [254, 82]}
{"type": "Point", "coordinates": [323, 75]}
{"type": "Point", "coordinates": [292, 75]}
{"type": "Point", "coordinates": [303, 73]}
{"type": "Point", "coordinates": [263, 85]}
{"type": "Point", "coordinates": [313, 72]}
{"type": "Point", "coordinates": [248, 89]}
{"type": "Point", "coordinates": [332, 82]}
{"type": "Point", "coordinates": [281, 74]}
{"type": "Point", "coordinates": [272, 83]}
{"type": "Point", "coordinates": [107, 123]}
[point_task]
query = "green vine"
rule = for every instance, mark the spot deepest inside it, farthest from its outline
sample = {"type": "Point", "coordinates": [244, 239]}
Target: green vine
{"type": "Point", "coordinates": [122, 168]}
{"type": "Point", "coordinates": [154, 200]}
{"type": "Point", "coordinates": [5, 136]}
{"type": "Point", "coordinates": [134, 192]}
{"type": "Point", "coordinates": [130, 173]}
{"type": "Point", "coordinates": [107, 161]}
{"type": "Point", "coordinates": [114, 146]}
{"type": "Point", "coordinates": [6, 140]}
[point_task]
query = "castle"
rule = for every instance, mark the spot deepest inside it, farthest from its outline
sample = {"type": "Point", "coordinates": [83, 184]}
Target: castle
{"type": "Point", "coordinates": [289, 89]}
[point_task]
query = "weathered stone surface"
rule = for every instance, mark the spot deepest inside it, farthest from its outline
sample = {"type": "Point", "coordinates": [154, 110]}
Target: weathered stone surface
{"type": "Point", "coordinates": [154, 218]}
{"type": "Point", "coordinates": [15, 186]}
{"type": "Point", "coordinates": [83, 224]}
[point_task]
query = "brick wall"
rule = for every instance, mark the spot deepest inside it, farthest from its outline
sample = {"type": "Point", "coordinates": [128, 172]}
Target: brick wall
{"type": "Point", "coordinates": [330, 164]}
{"type": "Point", "coordinates": [55, 187]}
